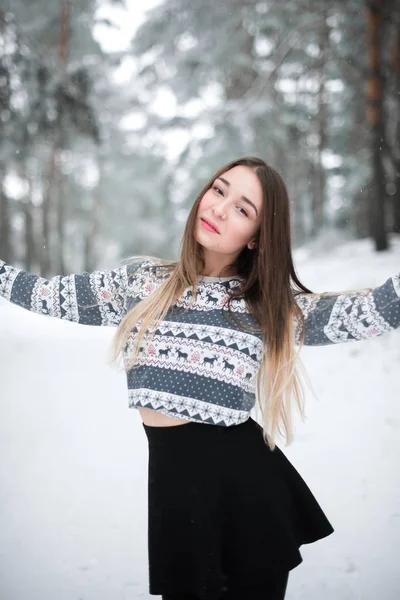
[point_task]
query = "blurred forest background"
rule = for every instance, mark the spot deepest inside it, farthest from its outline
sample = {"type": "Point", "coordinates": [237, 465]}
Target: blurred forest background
{"type": "Point", "coordinates": [102, 152]}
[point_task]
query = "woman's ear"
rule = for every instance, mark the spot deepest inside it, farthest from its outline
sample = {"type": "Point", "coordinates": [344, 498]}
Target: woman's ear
{"type": "Point", "coordinates": [252, 244]}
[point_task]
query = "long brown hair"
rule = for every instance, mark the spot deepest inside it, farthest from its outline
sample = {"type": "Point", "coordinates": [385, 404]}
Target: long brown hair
{"type": "Point", "coordinates": [269, 287]}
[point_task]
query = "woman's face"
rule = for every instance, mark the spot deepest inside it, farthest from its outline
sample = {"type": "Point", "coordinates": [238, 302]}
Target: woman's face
{"type": "Point", "coordinates": [229, 215]}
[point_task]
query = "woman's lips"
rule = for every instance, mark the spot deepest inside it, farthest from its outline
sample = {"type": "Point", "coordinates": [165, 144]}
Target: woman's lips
{"type": "Point", "coordinates": [208, 227]}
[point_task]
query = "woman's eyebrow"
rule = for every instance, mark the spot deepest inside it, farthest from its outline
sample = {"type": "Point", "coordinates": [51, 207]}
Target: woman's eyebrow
{"type": "Point", "coordinates": [243, 197]}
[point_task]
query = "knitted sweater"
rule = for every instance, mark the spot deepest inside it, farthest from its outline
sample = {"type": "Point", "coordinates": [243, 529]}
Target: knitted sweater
{"type": "Point", "coordinates": [199, 366]}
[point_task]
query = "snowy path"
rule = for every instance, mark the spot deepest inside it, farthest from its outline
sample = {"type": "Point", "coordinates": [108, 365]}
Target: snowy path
{"type": "Point", "coordinates": [73, 466]}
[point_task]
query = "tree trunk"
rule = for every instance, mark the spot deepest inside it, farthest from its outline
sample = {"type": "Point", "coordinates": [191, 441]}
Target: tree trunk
{"type": "Point", "coordinates": [375, 95]}
{"type": "Point", "coordinates": [313, 201]}
{"type": "Point", "coordinates": [59, 205]}
{"type": "Point", "coordinates": [395, 63]}
{"type": "Point", "coordinates": [94, 220]}
{"type": "Point", "coordinates": [319, 195]}
{"type": "Point", "coordinates": [44, 254]}
{"type": "Point", "coordinates": [28, 210]}
{"type": "Point", "coordinates": [61, 142]}
{"type": "Point", "coordinates": [6, 250]}
{"type": "Point", "coordinates": [5, 102]}
{"type": "Point", "coordinates": [90, 257]}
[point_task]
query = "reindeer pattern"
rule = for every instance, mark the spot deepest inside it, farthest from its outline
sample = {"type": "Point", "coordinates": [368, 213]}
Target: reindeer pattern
{"type": "Point", "coordinates": [198, 360]}
{"type": "Point", "coordinates": [195, 356]}
{"type": "Point", "coordinates": [210, 297]}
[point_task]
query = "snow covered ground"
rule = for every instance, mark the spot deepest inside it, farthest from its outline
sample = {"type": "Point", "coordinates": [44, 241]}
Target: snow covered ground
{"type": "Point", "coordinates": [73, 458]}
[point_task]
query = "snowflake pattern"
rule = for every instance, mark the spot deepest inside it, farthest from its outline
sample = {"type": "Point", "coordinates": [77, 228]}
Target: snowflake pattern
{"type": "Point", "coordinates": [210, 371]}
{"type": "Point", "coordinates": [211, 296]}
{"type": "Point", "coordinates": [7, 278]}
{"type": "Point", "coordinates": [354, 318]}
{"type": "Point", "coordinates": [173, 406]}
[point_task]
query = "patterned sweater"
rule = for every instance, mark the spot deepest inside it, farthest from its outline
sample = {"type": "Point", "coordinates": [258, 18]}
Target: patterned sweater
{"type": "Point", "coordinates": [199, 366]}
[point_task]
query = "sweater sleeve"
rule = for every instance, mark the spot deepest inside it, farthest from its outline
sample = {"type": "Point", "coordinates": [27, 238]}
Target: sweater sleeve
{"type": "Point", "coordinates": [96, 298]}
{"type": "Point", "coordinates": [335, 318]}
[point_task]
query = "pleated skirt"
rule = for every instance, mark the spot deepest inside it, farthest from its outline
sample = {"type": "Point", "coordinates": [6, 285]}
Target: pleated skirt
{"type": "Point", "coordinates": [223, 507]}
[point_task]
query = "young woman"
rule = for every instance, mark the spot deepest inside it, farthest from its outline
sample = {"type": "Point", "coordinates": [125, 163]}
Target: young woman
{"type": "Point", "coordinates": [202, 340]}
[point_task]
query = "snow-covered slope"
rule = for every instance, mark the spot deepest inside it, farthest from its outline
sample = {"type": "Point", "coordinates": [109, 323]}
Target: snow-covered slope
{"type": "Point", "coordinates": [73, 458]}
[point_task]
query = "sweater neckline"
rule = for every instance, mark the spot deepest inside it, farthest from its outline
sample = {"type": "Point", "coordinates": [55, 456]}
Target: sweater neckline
{"type": "Point", "coordinates": [209, 279]}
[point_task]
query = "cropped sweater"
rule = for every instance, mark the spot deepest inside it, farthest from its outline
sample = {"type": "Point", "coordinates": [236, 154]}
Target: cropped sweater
{"type": "Point", "coordinates": [200, 365]}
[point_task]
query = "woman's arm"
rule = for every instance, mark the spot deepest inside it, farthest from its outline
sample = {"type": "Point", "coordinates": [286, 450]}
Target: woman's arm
{"type": "Point", "coordinates": [335, 318]}
{"type": "Point", "coordinates": [96, 298]}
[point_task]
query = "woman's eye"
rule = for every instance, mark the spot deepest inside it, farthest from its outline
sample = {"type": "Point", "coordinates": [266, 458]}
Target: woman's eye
{"type": "Point", "coordinates": [220, 192]}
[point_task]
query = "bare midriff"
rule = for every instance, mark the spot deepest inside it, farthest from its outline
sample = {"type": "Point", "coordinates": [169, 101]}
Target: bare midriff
{"type": "Point", "coordinates": [156, 419]}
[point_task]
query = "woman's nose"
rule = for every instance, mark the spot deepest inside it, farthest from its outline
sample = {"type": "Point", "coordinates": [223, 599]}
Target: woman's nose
{"type": "Point", "coordinates": [220, 211]}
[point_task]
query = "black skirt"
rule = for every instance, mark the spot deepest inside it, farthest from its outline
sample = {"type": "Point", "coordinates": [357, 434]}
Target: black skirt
{"type": "Point", "coordinates": [223, 506]}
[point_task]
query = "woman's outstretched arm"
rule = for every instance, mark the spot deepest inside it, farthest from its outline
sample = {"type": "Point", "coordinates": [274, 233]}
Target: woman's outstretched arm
{"type": "Point", "coordinates": [335, 318]}
{"type": "Point", "coordinates": [96, 298]}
